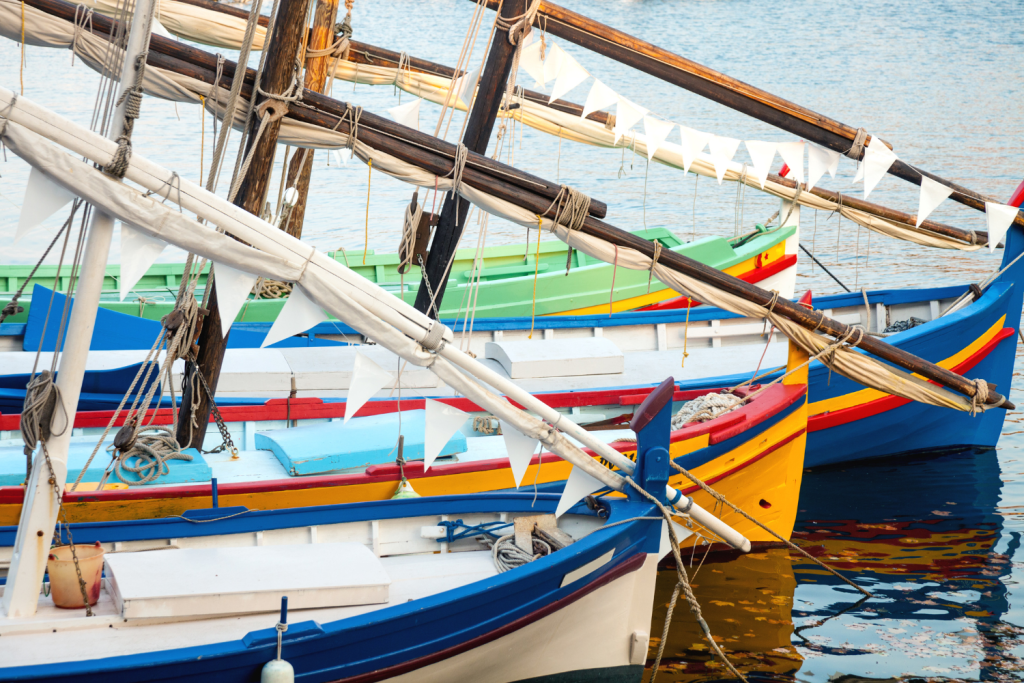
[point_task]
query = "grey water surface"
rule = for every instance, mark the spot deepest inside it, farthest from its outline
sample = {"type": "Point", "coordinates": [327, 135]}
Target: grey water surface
{"type": "Point", "coordinates": [936, 538]}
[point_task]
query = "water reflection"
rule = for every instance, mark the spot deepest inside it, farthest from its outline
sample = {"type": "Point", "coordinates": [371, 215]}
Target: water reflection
{"type": "Point", "coordinates": [923, 534]}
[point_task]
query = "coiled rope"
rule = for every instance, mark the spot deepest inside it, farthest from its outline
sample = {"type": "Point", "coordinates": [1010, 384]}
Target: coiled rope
{"type": "Point", "coordinates": [507, 555]}
{"type": "Point", "coordinates": [153, 447]}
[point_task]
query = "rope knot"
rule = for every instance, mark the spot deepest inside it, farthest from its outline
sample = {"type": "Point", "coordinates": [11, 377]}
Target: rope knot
{"type": "Point", "coordinates": [856, 150]}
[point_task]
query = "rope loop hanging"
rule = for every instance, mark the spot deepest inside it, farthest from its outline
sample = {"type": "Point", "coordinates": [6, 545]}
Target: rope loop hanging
{"type": "Point", "coordinates": [458, 168]}
{"type": "Point", "coordinates": [132, 100]}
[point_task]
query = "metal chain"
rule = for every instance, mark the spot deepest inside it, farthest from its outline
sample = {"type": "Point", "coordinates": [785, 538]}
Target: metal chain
{"type": "Point", "coordinates": [228, 443]}
{"type": "Point", "coordinates": [67, 528]}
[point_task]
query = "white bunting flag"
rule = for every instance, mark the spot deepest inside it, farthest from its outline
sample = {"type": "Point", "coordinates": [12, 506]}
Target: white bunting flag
{"type": "Point", "coordinates": [520, 449]}
{"type": "Point", "coordinates": [578, 486]}
{"type": "Point", "coordinates": [820, 160]}
{"type": "Point", "coordinates": [1000, 217]}
{"type": "Point", "coordinates": [342, 155]}
{"type": "Point", "coordinates": [859, 175]}
{"type": "Point", "coordinates": [932, 194]}
{"type": "Point", "coordinates": [570, 74]}
{"type": "Point", "coordinates": [407, 114]}
{"type": "Point", "coordinates": [298, 314]}
{"type": "Point", "coordinates": [722, 151]}
{"type": "Point", "coordinates": [655, 133]}
{"type": "Point", "coordinates": [793, 154]}
{"type": "Point", "coordinates": [442, 421]}
{"type": "Point", "coordinates": [762, 154]}
{"type": "Point", "coordinates": [626, 116]}
{"type": "Point", "coordinates": [43, 198]}
{"type": "Point", "coordinates": [694, 142]}
{"type": "Point", "coordinates": [233, 288]}
{"type": "Point", "coordinates": [367, 379]}
{"type": "Point", "coordinates": [465, 86]}
{"type": "Point", "coordinates": [877, 160]}
{"type": "Point", "coordinates": [553, 63]}
{"type": "Point", "coordinates": [138, 252]}
{"type": "Point", "coordinates": [531, 61]}
{"type": "Point", "coordinates": [600, 96]}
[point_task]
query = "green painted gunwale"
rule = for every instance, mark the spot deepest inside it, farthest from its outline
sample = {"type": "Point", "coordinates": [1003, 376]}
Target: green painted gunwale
{"type": "Point", "coordinates": [506, 283]}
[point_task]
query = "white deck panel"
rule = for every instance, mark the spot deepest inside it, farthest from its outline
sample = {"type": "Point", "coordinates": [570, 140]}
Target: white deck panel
{"type": "Point", "coordinates": [331, 367]}
{"type": "Point", "coordinates": [556, 357]}
{"type": "Point", "coordinates": [221, 581]}
{"type": "Point", "coordinates": [412, 577]}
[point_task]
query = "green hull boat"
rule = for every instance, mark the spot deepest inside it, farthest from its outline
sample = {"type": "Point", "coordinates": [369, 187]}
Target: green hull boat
{"type": "Point", "coordinates": [506, 286]}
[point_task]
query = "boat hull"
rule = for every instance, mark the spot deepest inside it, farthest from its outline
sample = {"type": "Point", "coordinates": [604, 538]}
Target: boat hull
{"type": "Point", "coordinates": [753, 456]}
{"type": "Point", "coordinates": [529, 621]}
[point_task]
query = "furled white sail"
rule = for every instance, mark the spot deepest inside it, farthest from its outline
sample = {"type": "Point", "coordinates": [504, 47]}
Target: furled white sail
{"type": "Point", "coordinates": [46, 30]}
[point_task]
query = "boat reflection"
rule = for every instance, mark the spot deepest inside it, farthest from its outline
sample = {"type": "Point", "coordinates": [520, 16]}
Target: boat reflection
{"type": "Point", "coordinates": [923, 534]}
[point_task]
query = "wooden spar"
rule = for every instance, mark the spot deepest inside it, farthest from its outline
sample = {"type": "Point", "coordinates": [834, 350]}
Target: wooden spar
{"type": "Point", "coordinates": [279, 72]}
{"type": "Point", "coordinates": [364, 53]}
{"type": "Point", "coordinates": [201, 65]}
{"type": "Point", "coordinates": [321, 36]}
{"type": "Point", "coordinates": [479, 125]}
{"type": "Point", "coordinates": [967, 236]}
{"type": "Point", "coordinates": [723, 89]}
{"type": "Point", "coordinates": [491, 173]}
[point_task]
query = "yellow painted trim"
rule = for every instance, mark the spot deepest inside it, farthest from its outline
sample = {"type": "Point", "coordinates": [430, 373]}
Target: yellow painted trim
{"type": "Point", "coordinates": [774, 253]}
{"type": "Point", "coordinates": [857, 398]}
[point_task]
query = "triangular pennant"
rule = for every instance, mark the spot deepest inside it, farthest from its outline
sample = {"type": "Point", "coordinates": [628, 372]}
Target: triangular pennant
{"type": "Point", "coordinates": [722, 151]}
{"type": "Point", "coordinates": [138, 252]}
{"type": "Point", "coordinates": [367, 379]}
{"type": "Point", "coordinates": [762, 154]}
{"type": "Point", "coordinates": [233, 288]}
{"type": "Point", "coordinates": [859, 175]}
{"type": "Point", "coordinates": [298, 314]}
{"type": "Point", "coordinates": [694, 142]}
{"type": "Point", "coordinates": [932, 194]}
{"type": "Point", "coordinates": [578, 486]}
{"type": "Point", "coordinates": [600, 96]}
{"type": "Point", "coordinates": [570, 74]}
{"type": "Point", "coordinates": [1000, 217]}
{"type": "Point", "coordinates": [530, 60]}
{"type": "Point", "coordinates": [626, 116]}
{"type": "Point", "coordinates": [43, 198]}
{"type": "Point", "coordinates": [465, 86]}
{"type": "Point", "coordinates": [407, 114]}
{"type": "Point", "coordinates": [442, 421]}
{"type": "Point", "coordinates": [520, 449]}
{"type": "Point", "coordinates": [655, 132]}
{"type": "Point", "coordinates": [342, 155]}
{"type": "Point", "coordinates": [877, 160]}
{"type": "Point", "coordinates": [553, 63]}
{"type": "Point", "coordinates": [793, 154]}
{"type": "Point", "coordinates": [820, 160]}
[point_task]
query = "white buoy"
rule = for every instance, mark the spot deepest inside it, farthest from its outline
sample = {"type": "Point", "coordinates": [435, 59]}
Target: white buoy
{"type": "Point", "coordinates": [278, 670]}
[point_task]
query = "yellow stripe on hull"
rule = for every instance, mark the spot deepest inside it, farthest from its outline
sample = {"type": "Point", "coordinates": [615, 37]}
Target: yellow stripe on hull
{"type": "Point", "coordinates": [857, 398]}
{"type": "Point", "coordinates": [767, 257]}
{"type": "Point", "coordinates": [747, 476]}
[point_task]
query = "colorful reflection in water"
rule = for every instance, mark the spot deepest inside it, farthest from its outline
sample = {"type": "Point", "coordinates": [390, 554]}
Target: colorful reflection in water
{"type": "Point", "coordinates": [926, 535]}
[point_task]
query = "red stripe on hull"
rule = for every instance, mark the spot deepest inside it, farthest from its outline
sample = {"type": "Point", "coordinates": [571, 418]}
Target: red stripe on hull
{"type": "Point", "coordinates": [751, 276]}
{"type": "Point", "coordinates": [880, 405]}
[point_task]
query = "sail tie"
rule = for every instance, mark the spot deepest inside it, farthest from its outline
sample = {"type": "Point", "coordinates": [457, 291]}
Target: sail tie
{"type": "Point", "coordinates": [856, 150]}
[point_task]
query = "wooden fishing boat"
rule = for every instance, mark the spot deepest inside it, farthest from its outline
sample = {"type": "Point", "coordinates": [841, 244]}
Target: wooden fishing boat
{"type": "Point", "coordinates": [422, 609]}
{"type": "Point", "coordinates": [752, 455]}
{"type": "Point", "coordinates": [766, 256]}
{"type": "Point", "coordinates": [846, 422]}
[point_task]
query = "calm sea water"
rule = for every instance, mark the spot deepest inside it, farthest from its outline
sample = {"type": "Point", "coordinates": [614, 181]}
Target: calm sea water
{"type": "Point", "coordinates": [935, 539]}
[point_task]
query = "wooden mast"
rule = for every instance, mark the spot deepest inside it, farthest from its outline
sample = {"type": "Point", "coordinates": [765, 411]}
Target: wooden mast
{"type": "Point", "coordinates": [279, 74]}
{"type": "Point", "coordinates": [735, 94]}
{"type": "Point", "coordinates": [493, 82]}
{"type": "Point", "coordinates": [321, 36]}
{"type": "Point", "coordinates": [410, 146]}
